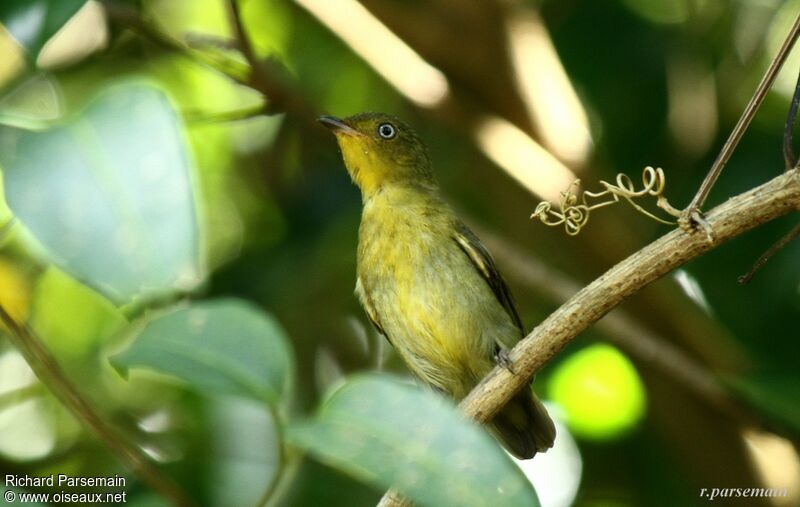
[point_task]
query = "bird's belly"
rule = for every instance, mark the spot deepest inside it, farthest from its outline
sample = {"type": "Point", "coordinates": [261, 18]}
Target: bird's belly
{"type": "Point", "coordinates": [439, 322]}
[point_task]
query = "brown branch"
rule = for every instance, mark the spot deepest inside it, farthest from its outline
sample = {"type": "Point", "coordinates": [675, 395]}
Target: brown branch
{"type": "Point", "coordinates": [775, 198]}
{"type": "Point", "coordinates": [241, 39]}
{"type": "Point", "coordinates": [622, 329]}
{"type": "Point", "coordinates": [48, 371]}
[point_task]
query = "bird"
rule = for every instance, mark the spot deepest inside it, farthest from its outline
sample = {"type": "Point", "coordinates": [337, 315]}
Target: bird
{"type": "Point", "coordinates": [425, 280]}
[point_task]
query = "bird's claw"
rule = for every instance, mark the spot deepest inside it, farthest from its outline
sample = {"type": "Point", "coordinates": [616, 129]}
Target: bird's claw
{"type": "Point", "coordinates": [503, 359]}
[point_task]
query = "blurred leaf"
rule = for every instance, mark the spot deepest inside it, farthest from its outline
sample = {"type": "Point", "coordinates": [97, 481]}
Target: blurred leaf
{"type": "Point", "coordinates": [33, 105]}
{"type": "Point", "coordinates": [109, 193]}
{"type": "Point", "coordinates": [15, 291]}
{"type": "Point", "coordinates": [388, 433]}
{"type": "Point", "coordinates": [600, 391]}
{"type": "Point", "coordinates": [37, 424]}
{"type": "Point", "coordinates": [774, 395]}
{"type": "Point", "coordinates": [33, 22]}
{"type": "Point", "coordinates": [225, 346]}
{"type": "Point", "coordinates": [71, 318]}
{"type": "Point", "coordinates": [244, 451]}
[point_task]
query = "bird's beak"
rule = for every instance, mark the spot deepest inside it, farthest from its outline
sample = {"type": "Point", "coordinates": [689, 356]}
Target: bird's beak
{"type": "Point", "coordinates": [338, 126]}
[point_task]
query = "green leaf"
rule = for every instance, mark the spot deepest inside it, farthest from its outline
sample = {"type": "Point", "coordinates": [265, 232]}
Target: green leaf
{"type": "Point", "coordinates": [242, 451]}
{"type": "Point", "coordinates": [387, 433]}
{"type": "Point", "coordinates": [109, 194]}
{"type": "Point", "coordinates": [33, 22]}
{"type": "Point", "coordinates": [72, 319]}
{"type": "Point", "coordinates": [775, 395]}
{"type": "Point", "coordinates": [225, 346]}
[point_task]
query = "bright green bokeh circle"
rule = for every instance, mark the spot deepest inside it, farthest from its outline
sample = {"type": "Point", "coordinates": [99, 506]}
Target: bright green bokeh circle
{"type": "Point", "coordinates": [600, 392]}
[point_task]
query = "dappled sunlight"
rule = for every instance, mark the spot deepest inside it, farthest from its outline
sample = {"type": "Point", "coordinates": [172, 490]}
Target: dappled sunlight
{"type": "Point", "coordinates": [26, 427]}
{"type": "Point", "coordinates": [13, 60]}
{"type": "Point", "coordinates": [392, 58]}
{"type": "Point", "coordinates": [781, 23]}
{"type": "Point", "coordinates": [777, 463]}
{"type": "Point", "coordinates": [84, 34]}
{"type": "Point", "coordinates": [543, 83]}
{"type": "Point", "coordinates": [523, 158]}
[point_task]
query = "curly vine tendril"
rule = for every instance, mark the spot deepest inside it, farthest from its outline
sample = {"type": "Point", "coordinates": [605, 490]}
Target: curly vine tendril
{"type": "Point", "coordinates": [573, 211]}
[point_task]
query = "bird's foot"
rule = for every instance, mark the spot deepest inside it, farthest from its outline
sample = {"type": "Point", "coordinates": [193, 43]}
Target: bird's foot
{"type": "Point", "coordinates": [501, 358]}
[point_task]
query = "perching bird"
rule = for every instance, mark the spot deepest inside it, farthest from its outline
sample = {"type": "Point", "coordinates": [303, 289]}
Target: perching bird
{"type": "Point", "coordinates": [426, 281]}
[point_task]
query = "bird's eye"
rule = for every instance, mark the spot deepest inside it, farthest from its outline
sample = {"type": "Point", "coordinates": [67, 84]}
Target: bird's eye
{"type": "Point", "coordinates": [386, 130]}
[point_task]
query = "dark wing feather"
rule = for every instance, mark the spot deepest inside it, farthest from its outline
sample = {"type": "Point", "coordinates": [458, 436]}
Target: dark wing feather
{"type": "Point", "coordinates": [483, 262]}
{"type": "Point", "coordinates": [378, 327]}
{"type": "Point", "coordinates": [372, 315]}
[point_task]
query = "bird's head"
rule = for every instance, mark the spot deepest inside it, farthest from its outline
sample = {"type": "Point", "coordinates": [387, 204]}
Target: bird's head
{"type": "Point", "coordinates": [379, 151]}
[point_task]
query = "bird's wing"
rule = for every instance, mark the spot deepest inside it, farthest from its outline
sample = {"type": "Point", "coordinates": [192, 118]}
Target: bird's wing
{"type": "Point", "coordinates": [483, 262]}
{"type": "Point", "coordinates": [372, 315]}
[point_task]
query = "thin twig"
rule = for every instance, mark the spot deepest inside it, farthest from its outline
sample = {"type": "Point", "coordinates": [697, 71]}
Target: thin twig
{"type": "Point", "coordinates": [53, 377]}
{"type": "Point", "coordinates": [245, 113]}
{"type": "Point", "coordinates": [266, 76]}
{"type": "Point", "coordinates": [775, 198]}
{"type": "Point", "coordinates": [130, 18]}
{"type": "Point", "coordinates": [202, 41]}
{"type": "Point", "coordinates": [241, 40]}
{"type": "Point", "coordinates": [692, 212]}
{"type": "Point", "coordinates": [785, 240]}
{"type": "Point", "coordinates": [19, 395]}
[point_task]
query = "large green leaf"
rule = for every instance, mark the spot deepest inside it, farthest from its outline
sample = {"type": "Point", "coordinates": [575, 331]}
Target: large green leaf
{"type": "Point", "coordinates": [226, 346]}
{"type": "Point", "coordinates": [33, 22]}
{"type": "Point", "coordinates": [109, 193]}
{"type": "Point", "coordinates": [388, 433]}
{"type": "Point", "coordinates": [242, 453]}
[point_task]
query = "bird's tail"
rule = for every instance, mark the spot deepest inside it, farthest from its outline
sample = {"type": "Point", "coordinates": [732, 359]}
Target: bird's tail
{"type": "Point", "coordinates": [523, 426]}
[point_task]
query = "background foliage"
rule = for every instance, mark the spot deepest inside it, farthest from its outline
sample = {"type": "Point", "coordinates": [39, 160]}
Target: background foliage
{"type": "Point", "coordinates": [190, 260]}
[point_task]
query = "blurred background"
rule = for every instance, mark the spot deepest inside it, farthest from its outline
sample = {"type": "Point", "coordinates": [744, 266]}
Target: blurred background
{"type": "Point", "coordinates": [161, 152]}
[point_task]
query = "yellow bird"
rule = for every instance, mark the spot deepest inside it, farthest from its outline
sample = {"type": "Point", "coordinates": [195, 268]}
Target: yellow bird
{"type": "Point", "coordinates": [426, 281]}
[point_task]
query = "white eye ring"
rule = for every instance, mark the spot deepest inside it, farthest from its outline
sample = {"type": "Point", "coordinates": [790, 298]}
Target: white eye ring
{"type": "Point", "coordinates": [386, 130]}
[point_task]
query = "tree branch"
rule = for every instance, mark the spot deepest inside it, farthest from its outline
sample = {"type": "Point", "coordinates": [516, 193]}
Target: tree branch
{"type": "Point", "coordinates": [777, 197]}
{"type": "Point", "coordinates": [53, 377]}
{"type": "Point", "coordinates": [746, 211]}
{"type": "Point", "coordinates": [623, 330]}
